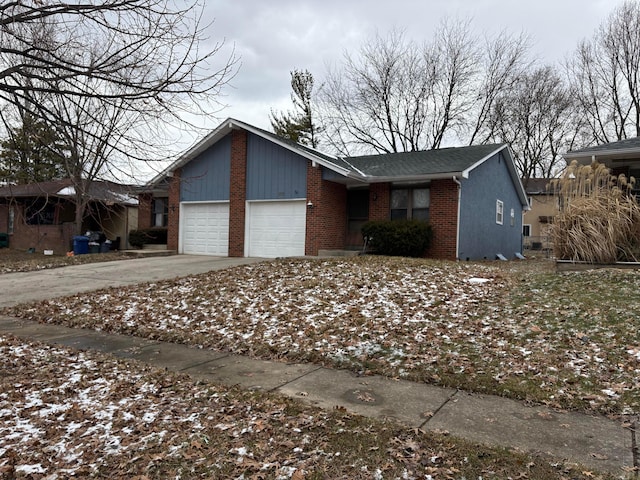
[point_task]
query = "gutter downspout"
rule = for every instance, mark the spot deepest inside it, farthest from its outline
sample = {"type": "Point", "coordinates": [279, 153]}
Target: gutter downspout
{"type": "Point", "coordinates": [457, 182]}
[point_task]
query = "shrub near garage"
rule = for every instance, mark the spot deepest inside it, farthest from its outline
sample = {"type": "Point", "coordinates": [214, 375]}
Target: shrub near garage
{"type": "Point", "coordinates": [148, 236]}
{"type": "Point", "coordinates": [401, 238]}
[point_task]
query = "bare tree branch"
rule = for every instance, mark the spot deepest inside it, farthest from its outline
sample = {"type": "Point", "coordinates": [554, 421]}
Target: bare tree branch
{"type": "Point", "coordinates": [145, 52]}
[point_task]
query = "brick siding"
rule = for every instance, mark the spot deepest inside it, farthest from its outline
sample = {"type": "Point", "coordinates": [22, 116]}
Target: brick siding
{"type": "Point", "coordinates": [58, 238]}
{"type": "Point", "coordinates": [443, 216]}
{"type": "Point", "coordinates": [237, 194]}
{"type": "Point", "coordinates": [379, 201]}
{"type": "Point", "coordinates": [173, 219]}
{"type": "Point", "coordinates": [326, 226]}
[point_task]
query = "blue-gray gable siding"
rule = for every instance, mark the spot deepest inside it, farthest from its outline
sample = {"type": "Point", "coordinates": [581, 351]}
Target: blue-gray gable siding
{"type": "Point", "coordinates": [273, 172]}
{"type": "Point", "coordinates": [479, 235]}
{"type": "Point", "coordinates": [207, 177]}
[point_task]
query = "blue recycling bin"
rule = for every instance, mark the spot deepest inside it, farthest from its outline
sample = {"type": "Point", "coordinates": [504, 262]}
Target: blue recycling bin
{"type": "Point", "coordinates": [80, 245]}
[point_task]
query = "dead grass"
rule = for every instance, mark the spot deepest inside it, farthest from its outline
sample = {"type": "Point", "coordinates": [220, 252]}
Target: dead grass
{"type": "Point", "coordinates": [598, 220]}
{"type": "Point", "coordinates": [12, 261]}
{"type": "Point", "coordinates": [70, 414]}
{"type": "Point", "coordinates": [570, 341]}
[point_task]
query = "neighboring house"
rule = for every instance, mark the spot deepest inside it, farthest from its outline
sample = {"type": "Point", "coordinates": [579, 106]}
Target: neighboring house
{"type": "Point", "coordinates": [243, 191]}
{"type": "Point", "coordinates": [153, 208]}
{"type": "Point", "coordinates": [537, 221]}
{"type": "Point", "coordinates": [620, 157]}
{"type": "Point", "coordinates": [42, 215]}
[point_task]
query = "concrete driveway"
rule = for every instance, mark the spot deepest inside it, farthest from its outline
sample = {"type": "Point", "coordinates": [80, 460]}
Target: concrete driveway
{"type": "Point", "coordinates": [25, 287]}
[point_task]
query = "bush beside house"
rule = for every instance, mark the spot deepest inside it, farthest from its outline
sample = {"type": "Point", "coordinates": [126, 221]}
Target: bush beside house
{"type": "Point", "coordinates": [148, 236]}
{"type": "Point", "coordinates": [405, 238]}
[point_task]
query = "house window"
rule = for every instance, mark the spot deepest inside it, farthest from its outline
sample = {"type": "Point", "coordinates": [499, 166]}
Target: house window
{"type": "Point", "coordinates": [410, 203]}
{"type": "Point", "coordinates": [526, 230]}
{"type": "Point", "coordinates": [160, 212]}
{"type": "Point", "coordinates": [12, 217]}
{"type": "Point", "coordinates": [40, 212]}
{"type": "Point", "coordinates": [499, 212]}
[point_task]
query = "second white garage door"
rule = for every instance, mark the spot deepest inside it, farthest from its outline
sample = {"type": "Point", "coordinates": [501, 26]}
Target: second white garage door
{"type": "Point", "coordinates": [204, 228]}
{"type": "Point", "coordinates": [276, 229]}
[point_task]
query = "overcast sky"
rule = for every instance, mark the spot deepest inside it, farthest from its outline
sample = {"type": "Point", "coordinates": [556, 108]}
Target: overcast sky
{"type": "Point", "coordinates": [276, 36]}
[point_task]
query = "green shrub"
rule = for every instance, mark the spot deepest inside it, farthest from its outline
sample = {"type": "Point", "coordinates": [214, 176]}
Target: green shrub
{"type": "Point", "coordinates": [403, 238]}
{"type": "Point", "coordinates": [148, 236]}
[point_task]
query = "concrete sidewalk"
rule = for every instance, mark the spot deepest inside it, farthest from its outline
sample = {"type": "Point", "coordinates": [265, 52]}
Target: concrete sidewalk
{"type": "Point", "coordinates": [595, 442]}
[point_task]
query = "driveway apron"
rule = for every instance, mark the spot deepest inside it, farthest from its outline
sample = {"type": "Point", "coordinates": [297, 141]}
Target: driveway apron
{"type": "Point", "coordinates": [27, 287]}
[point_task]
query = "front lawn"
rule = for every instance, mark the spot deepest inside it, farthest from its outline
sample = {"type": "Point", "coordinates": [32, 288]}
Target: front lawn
{"type": "Point", "coordinates": [12, 260]}
{"type": "Point", "coordinates": [567, 340]}
{"type": "Point", "coordinates": [70, 414]}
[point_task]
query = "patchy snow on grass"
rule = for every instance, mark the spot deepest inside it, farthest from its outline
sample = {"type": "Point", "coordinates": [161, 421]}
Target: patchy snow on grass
{"type": "Point", "coordinates": [74, 408]}
{"type": "Point", "coordinates": [93, 416]}
{"type": "Point", "coordinates": [416, 319]}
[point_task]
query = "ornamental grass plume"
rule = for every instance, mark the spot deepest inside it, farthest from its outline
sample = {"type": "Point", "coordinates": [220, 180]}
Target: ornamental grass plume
{"type": "Point", "coordinates": [599, 219]}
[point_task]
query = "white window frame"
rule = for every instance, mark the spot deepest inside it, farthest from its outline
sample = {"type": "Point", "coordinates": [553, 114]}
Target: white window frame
{"type": "Point", "coordinates": [499, 212]}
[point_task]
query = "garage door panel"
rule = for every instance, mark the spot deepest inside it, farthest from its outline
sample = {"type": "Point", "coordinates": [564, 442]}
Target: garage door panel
{"type": "Point", "coordinates": [276, 229]}
{"type": "Point", "coordinates": [205, 229]}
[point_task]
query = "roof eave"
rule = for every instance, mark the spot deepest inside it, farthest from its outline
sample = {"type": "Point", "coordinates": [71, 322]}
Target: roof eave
{"type": "Point", "coordinates": [304, 153]}
{"type": "Point", "coordinates": [467, 170]}
{"type": "Point", "coordinates": [221, 131]}
{"type": "Point", "coordinates": [522, 194]}
{"type": "Point", "coordinates": [589, 154]}
{"type": "Point", "coordinates": [411, 178]}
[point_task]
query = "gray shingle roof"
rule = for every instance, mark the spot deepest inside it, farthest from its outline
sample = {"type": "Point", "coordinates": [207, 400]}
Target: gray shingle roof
{"type": "Point", "coordinates": [621, 145]}
{"type": "Point", "coordinates": [405, 166]}
{"type": "Point", "coordinates": [428, 162]}
{"type": "Point", "coordinates": [99, 190]}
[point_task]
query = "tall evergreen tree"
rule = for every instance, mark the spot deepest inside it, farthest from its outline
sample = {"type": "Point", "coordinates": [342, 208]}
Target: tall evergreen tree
{"type": "Point", "coordinates": [298, 126]}
{"type": "Point", "coordinates": [32, 153]}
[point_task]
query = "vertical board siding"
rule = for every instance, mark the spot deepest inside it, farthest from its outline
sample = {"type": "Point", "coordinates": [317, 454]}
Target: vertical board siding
{"type": "Point", "coordinates": [207, 177]}
{"type": "Point", "coordinates": [480, 236]}
{"type": "Point", "coordinates": [273, 172]}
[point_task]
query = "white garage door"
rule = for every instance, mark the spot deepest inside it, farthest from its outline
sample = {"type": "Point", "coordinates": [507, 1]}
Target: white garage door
{"type": "Point", "coordinates": [276, 229]}
{"type": "Point", "coordinates": [204, 228]}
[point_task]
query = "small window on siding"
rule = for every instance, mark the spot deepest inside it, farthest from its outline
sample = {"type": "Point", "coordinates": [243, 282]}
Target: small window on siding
{"type": "Point", "coordinates": [526, 230]}
{"type": "Point", "coordinates": [499, 212]}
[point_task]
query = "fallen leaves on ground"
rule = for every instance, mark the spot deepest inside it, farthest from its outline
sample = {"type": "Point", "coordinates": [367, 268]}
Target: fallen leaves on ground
{"type": "Point", "coordinates": [13, 261]}
{"type": "Point", "coordinates": [72, 414]}
{"type": "Point", "coordinates": [566, 340]}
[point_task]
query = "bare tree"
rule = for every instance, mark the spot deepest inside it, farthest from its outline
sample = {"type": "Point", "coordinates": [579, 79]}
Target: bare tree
{"type": "Point", "coordinates": [109, 76]}
{"type": "Point", "coordinates": [504, 60]}
{"type": "Point", "coordinates": [537, 117]}
{"type": "Point", "coordinates": [398, 96]}
{"type": "Point", "coordinates": [97, 131]}
{"type": "Point", "coordinates": [605, 72]}
{"type": "Point", "coordinates": [377, 101]}
{"type": "Point", "coordinates": [145, 56]}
